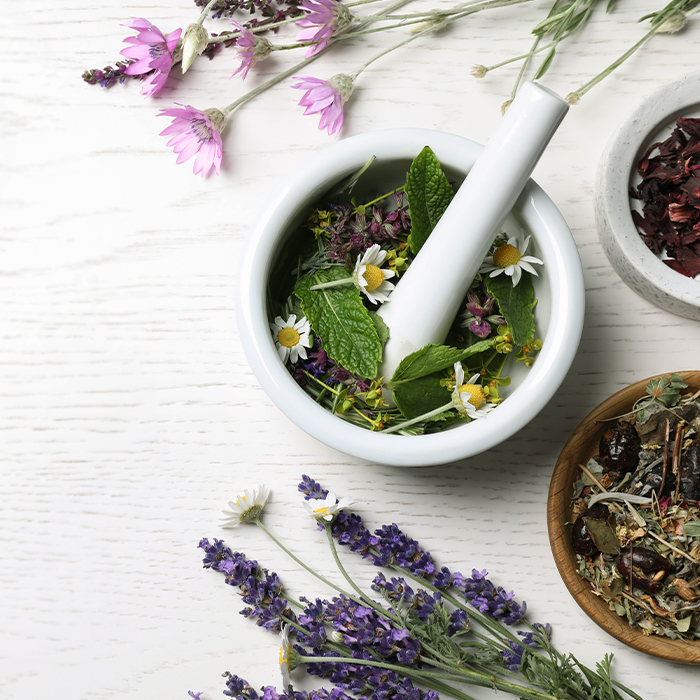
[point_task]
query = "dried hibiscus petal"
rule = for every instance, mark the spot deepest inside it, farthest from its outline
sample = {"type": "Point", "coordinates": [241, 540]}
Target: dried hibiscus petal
{"type": "Point", "coordinates": [670, 194]}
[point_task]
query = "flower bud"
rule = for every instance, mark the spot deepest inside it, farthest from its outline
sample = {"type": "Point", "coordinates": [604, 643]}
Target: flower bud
{"type": "Point", "coordinates": [675, 22]}
{"type": "Point", "coordinates": [479, 71]}
{"type": "Point", "coordinates": [343, 84]}
{"type": "Point", "coordinates": [194, 42]}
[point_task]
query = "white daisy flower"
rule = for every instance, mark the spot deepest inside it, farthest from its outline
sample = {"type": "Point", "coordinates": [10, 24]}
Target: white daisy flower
{"type": "Point", "coordinates": [289, 658]}
{"type": "Point", "coordinates": [469, 398]}
{"type": "Point", "coordinates": [247, 507]}
{"type": "Point", "coordinates": [325, 509]}
{"type": "Point", "coordinates": [511, 259]}
{"type": "Point", "coordinates": [291, 337]}
{"type": "Point", "coordinates": [368, 276]}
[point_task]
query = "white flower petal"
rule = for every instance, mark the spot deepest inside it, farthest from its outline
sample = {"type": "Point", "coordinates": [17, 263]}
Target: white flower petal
{"type": "Point", "coordinates": [527, 267]}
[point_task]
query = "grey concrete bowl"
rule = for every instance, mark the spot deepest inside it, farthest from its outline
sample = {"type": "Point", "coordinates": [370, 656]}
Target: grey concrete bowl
{"type": "Point", "coordinates": [638, 267]}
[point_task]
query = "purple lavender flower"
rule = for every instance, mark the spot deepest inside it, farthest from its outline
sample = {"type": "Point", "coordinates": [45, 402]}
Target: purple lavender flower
{"type": "Point", "coordinates": [513, 655]}
{"type": "Point", "coordinates": [396, 547]}
{"type": "Point", "coordinates": [196, 696]}
{"type": "Point", "coordinates": [108, 76]}
{"type": "Point", "coordinates": [492, 600]}
{"type": "Point", "coordinates": [262, 590]}
{"type": "Point", "coordinates": [311, 488]}
{"type": "Point", "coordinates": [459, 622]}
{"type": "Point", "coordinates": [538, 637]}
{"type": "Point", "coordinates": [396, 590]}
{"type": "Point", "coordinates": [237, 687]}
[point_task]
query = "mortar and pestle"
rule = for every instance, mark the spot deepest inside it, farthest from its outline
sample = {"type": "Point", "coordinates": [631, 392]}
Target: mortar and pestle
{"type": "Point", "coordinates": [496, 195]}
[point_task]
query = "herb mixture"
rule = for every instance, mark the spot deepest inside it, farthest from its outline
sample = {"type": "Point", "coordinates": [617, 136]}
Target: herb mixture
{"type": "Point", "coordinates": [637, 534]}
{"type": "Point", "coordinates": [669, 222]}
{"type": "Point", "coordinates": [336, 271]}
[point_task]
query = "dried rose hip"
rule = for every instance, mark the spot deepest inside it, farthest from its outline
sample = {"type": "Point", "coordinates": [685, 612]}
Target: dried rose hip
{"type": "Point", "coordinates": [618, 450]}
{"type": "Point", "coordinates": [690, 471]}
{"type": "Point", "coordinates": [581, 539]}
{"type": "Point", "coordinates": [643, 567]}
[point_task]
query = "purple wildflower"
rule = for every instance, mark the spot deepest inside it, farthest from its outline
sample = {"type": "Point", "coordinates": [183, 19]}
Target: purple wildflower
{"type": "Point", "coordinates": [314, 634]}
{"type": "Point", "coordinates": [326, 97]}
{"type": "Point", "coordinates": [108, 75]}
{"type": "Point", "coordinates": [323, 20]}
{"type": "Point", "coordinates": [217, 554]}
{"type": "Point", "coordinates": [196, 696]}
{"type": "Point", "coordinates": [538, 637]}
{"type": "Point", "coordinates": [237, 687]}
{"type": "Point", "coordinates": [479, 315]}
{"type": "Point", "coordinates": [492, 600]}
{"type": "Point", "coordinates": [151, 52]}
{"type": "Point", "coordinates": [251, 49]}
{"type": "Point", "coordinates": [196, 132]}
{"type": "Point", "coordinates": [396, 590]}
{"type": "Point", "coordinates": [396, 547]}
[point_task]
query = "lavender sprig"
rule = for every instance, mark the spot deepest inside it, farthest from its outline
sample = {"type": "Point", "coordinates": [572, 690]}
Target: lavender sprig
{"type": "Point", "coordinates": [427, 639]}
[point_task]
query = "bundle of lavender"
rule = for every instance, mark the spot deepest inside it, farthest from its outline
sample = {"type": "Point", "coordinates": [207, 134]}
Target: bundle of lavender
{"type": "Point", "coordinates": [152, 54]}
{"type": "Point", "coordinates": [426, 631]}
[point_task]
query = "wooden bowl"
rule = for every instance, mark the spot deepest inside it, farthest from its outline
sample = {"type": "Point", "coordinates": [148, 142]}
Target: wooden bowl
{"type": "Point", "coordinates": [580, 447]}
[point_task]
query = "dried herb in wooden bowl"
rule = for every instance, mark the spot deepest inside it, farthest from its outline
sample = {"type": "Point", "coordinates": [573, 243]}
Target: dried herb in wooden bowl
{"type": "Point", "coordinates": [637, 530]}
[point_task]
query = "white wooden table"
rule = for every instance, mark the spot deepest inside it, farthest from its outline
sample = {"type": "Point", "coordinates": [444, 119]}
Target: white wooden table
{"type": "Point", "coordinates": [128, 413]}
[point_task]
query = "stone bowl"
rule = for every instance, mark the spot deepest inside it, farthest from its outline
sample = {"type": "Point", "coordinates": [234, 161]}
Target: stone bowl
{"type": "Point", "coordinates": [580, 447]}
{"type": "Point", "coordinates": [559, 290]}
{"type": "Point", "coordinates": [638, 267]}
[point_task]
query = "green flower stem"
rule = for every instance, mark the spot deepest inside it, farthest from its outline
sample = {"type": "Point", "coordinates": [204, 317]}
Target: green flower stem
{"type": "Point", "coordinates": [368, 601]}
{"type": "Point", "coordinates": [363, 600]}
{"type": "Point", "coordinates": [484, 680]}
{"type": "Point", "coordinates": [205, 11]}
{"type": "Point", "coordinates": [523, 57]}
{"type": "Point", "coordinates": [425, 416]}
{"type": "Point", "coordinates": [296, 559]}
{"type": "Point", "coordinates": [379, 199]}
{"type": "Point", "coordinates": [575, 96]}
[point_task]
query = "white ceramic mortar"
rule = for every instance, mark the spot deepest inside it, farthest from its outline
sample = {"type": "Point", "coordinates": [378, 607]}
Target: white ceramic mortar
{"type": "Point", "coordinates": [559, 289]}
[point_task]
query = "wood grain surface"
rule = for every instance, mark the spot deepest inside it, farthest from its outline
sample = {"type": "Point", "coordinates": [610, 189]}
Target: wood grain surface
{"type": "Point", "coordinates": [579, 448]}
{"type": "Point", "coordinates": [128, 413]}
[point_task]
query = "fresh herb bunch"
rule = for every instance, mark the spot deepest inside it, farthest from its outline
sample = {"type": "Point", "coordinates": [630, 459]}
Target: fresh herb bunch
{"type": "Point", "coordinates": [425, 631]}
{"type": "Point", "coordinates": [637, 530]}
{"type": "Point", "coordinates": [152, 54]}
{"type": "Point", "coordinates": [334, 273]}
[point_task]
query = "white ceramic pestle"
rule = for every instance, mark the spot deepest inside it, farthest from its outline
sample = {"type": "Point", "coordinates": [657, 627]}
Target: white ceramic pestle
{"type": "Point", "coordinates": [426, 299]}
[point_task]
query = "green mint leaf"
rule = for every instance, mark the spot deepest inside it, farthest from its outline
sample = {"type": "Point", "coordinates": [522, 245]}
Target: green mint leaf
{"type": "Point", "coordinates": [429, 193]}
{"type": "Point", "coordinates": [340, 319]}
{"type": "Point", "coordinates": [434, 358]}
{"type": "Point", "coordinates": [382, 328]}
{"type": "Point", "coordinates": [421, 395]}
{"type": "Point", "coordinates": [516, 304]}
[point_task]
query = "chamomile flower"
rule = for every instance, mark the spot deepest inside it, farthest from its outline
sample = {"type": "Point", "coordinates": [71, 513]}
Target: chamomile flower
{"type": "Point", "coordinates": [291, 337]}
{"type": "Point", "coordinates": [368, 276]}
{"type": "Point", "coordinates": [511, 259]}
{"type": "Point", "coordinates": [469, 398]}
{"type": "Point", "coordinates": [325, 509]}
{"type": "Point", "coordinates": [247, 507]}
{"type": "Point", "coordinates": [289, 658]}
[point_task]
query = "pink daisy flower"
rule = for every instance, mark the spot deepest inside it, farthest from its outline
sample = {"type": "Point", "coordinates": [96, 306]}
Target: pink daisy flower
{"type": "Point", "coordinates": [196, 132]}
{"type": "Point", "coordinates": [150, 51]}
{"type": "Point", "coordinates": [326, 97]}
{"type": "Point", "coordinates": [324, 18]}
{"type": "Point", "coordinates": [251, 49]}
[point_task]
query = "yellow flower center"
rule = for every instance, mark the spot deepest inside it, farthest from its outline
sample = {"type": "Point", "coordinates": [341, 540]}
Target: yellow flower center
{"type": "Point", "coordinates": [506, 255]}
{"type": "Point", "coordinates": [288, 337]}
{"type": "Point", "coordinates": [283, 656]}
{"type": "Point", "coordinates": [476, 394]}
{"type": "Point", "coordinates": [373, 276]}
{"type": "Point", "coordinates": [321, 511]}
